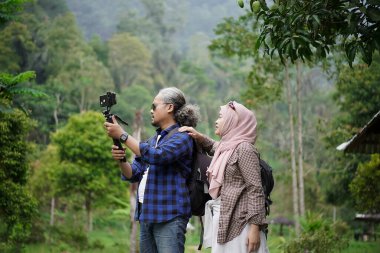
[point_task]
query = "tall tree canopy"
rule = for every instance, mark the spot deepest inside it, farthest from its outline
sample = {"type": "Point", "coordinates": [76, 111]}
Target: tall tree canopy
{"type": "Point", "coordinates": [301, 29]}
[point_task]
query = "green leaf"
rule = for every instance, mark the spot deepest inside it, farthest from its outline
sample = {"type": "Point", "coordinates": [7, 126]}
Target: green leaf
{"type": "Point", "coordinates": [374, 14]}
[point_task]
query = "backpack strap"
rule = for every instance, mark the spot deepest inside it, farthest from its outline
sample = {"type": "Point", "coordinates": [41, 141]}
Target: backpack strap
{"type": "Point", "coordinates": [170, 134]}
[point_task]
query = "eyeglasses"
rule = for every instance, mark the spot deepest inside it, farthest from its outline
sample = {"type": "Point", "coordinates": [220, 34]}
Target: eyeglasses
{"type": "Point", "coordinates": [231, 105]}
{"type": "Point", "coordinates": [154, 106]}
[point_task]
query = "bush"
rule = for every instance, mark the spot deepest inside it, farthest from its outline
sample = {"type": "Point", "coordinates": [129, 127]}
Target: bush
{"type": "Point", "coordinates": [319, 236]}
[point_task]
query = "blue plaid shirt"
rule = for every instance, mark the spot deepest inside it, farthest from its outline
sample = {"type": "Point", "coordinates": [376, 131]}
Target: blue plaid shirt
{"type": "Point", "coordinates": [166, 193]}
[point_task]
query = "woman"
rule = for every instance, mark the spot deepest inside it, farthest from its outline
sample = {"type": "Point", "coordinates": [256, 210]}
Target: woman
{"type": "Point", "coordinates": [235, 216]}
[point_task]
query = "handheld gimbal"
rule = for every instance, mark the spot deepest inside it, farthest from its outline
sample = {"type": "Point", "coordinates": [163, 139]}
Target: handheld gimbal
{"type": "Point", "coordinates": [108, 100]}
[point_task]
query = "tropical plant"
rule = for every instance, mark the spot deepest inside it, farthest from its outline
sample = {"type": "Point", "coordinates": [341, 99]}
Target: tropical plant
{"type": "Point", "coordinates": [319, 235]}
{"type": "Point", "coordinates": [301, 29]}
{"type": "Point", "coordinates": [10, 86]}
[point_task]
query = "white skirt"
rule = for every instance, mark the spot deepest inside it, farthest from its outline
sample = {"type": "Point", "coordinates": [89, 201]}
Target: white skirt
{"type": "Point", "coordinates": [236, 245]}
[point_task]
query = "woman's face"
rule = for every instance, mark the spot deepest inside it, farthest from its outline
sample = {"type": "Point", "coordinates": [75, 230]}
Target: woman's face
{"type": "Point", "coordinates": [219, 125]}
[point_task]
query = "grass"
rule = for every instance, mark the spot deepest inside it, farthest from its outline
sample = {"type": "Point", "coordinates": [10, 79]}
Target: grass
{"type": "Point", "coordinates": [116, 240]}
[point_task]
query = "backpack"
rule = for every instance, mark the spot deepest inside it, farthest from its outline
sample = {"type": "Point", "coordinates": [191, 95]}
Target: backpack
{"type": "Point", "coordinates": [198, 183]}
{"type": "Point", "coordinates": [267, 182]}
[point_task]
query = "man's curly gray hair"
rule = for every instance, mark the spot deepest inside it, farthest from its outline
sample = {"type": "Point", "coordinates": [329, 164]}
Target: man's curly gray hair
{"type": "Point", "coordinates": [184, 114]}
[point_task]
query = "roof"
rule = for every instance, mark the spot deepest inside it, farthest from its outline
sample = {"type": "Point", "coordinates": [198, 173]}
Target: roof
{"type": "Point", "coordinates": [367, 140]}
{"type": "Point", "coordinates": [368, 217]}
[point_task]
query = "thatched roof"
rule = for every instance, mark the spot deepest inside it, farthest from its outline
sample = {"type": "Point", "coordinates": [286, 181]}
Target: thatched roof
{"type": "Point", "coordinates": [367, 140]}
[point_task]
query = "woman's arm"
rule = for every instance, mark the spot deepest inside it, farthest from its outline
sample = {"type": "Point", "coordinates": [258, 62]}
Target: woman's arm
{"type": "Point", "coordinates": [206, 143]}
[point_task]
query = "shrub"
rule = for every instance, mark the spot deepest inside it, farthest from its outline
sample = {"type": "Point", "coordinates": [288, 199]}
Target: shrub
{"type": "Point", "coordinates": [319, 236]}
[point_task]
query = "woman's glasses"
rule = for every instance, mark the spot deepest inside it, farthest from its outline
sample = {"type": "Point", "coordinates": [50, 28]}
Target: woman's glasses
{"type": "Point", "coordinates": [231, 105]}
{"type": "Point", "coordinates": [154, 106]}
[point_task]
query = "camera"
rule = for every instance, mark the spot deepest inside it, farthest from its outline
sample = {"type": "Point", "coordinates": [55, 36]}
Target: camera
{"type": "Point", "coordinates": [108, 100]}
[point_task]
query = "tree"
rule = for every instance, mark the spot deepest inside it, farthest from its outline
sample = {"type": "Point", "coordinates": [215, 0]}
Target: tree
{"type": "Point", "coordinates": [301, 29]}
{"type": "Point", "coordinates": [129, 60]}
{"type": "Point", "coordinates": [15, 44]}
{"type": "Point", "coordinates": [357, 97]}
{"type": "Point", "coordinates": [68, 71]}
{"type": "Point", "coordinates": [235, 39]}
{"type": "Point", "coordinates": [87, 166]}
{"type": "Point", "coordinates": [365, 187]}
{"type": "Point", "coordinates": [17, 206]}
{"type": "Point", "coordinates": [43, 179]}
{"type": "Point", "coordinates": [9, 10]}
{"type": "Point", "coordinates": [154, 29]}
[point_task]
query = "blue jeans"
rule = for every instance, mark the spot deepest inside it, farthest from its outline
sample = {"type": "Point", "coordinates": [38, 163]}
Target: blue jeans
{"type": "Point", "coordinates": [165, 237]}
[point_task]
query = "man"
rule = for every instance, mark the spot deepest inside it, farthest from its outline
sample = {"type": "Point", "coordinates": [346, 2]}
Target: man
{"type": "Point", "coordinates": [161, 166]}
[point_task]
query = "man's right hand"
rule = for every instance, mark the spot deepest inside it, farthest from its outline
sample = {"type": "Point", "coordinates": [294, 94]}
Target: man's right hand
{"type": "Point", "coordinates": [117, 153]}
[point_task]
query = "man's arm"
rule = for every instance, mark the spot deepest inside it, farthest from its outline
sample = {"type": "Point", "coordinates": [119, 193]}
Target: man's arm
{"type": "Point", "coordinates": [114, 130]}
{"type": "Point", "coordinates": [129, 171]}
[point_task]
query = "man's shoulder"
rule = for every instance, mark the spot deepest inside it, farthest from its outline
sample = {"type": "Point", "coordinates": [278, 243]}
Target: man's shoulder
{"type": "Point", "coordinates": [182, 135]}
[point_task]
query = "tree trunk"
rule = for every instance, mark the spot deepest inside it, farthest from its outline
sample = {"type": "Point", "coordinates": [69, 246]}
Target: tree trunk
{"type": "Point", "coordinates": [137, 128]}
{"type": "Point", "coordinates": [56, 120]}
{"type": "Point", "coordinates": [300, 142]}
{"type": "Point", "coordinates": [56, 109]}
{"type": "Point", "coordinates": [292, 151]}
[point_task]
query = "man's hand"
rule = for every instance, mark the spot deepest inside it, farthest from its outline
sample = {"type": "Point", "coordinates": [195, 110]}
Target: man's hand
{"type": "Point", "coordinates": [117, 153]}
{"type": "Point", "coordinates": [114, 130]}
{"type": "Point", "coordinates": [253, 240]}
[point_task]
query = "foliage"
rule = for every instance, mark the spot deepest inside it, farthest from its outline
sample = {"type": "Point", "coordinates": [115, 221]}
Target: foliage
{"type": "Point", "coordinates": [16, 44]}
{"type": "Point", "coordinates": [357, 97]}
{"type": "Point", "coordinates": [9, 9]}
{"type": "Point", "coordinates": [365, 187]}
{"type": "Point", "coordinates": [358, 94]}
{"type": "Point", "coordinates": [87, 165]}
{"type": "Point", "coordinates": [17, 207]}
{"type": "Point", "coordinates": [155, 30]}
{"type": "Point", "coordinates": [319, 236]}
{"type": "Point", "coordinates": [236, 38]}
{"type": "Point", "coordinates": [10, 86]}
{"type": "Point", "coordinates": [43, 179]}
{"type": "Point", "coordinates": [129, 60]}
{"type": "Point", "coordinates": [301, 29]}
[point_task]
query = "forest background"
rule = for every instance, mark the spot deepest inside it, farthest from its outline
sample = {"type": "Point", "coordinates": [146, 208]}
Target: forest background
{"type": "Point", "coordinates": [61, 190]}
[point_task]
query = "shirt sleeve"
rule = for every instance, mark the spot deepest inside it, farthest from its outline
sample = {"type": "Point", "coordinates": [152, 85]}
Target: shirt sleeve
{"type": "Point", "coordinates": [209, 145]}
{"type": "Point", "coordinates": [250, 169]}
{"type": "Point", "coordinates": [137, 171]}
{"type": "Point", "coordinates": [173, 149]}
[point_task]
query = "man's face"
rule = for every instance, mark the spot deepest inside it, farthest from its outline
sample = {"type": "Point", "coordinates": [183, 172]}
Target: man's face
{"type": "Point", "coordinates": [159, 111]}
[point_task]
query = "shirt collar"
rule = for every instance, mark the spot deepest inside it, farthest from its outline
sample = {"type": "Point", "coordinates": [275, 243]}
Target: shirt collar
{"type": "Point", "coordinates": [164, 132]}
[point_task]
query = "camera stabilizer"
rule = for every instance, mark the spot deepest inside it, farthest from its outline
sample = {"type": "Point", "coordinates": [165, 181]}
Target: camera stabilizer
{"type": "Point", "coordinates": [108, 100]}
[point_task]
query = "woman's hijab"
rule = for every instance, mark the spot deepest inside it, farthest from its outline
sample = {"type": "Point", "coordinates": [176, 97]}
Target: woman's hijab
{"type": "Point", "coordinates": [239, 126]}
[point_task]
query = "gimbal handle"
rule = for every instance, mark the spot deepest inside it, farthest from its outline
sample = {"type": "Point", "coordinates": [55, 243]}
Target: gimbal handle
{"type": "Point", "coordinates": [116, 142]}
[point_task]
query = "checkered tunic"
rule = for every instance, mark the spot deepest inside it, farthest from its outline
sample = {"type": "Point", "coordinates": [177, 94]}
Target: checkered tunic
{"type": "Point", "coordinates": [242, 195]}
{"type": "Point", "coordinates": [166, 194]}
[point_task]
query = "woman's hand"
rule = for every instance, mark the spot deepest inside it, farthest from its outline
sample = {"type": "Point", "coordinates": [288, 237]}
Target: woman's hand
{"type": "Point", "coordinates": [197, 136]}
{"type": "Point", "coordinates": [253, 240]}
{"type": "Point", "coordinates": [117, 153]}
